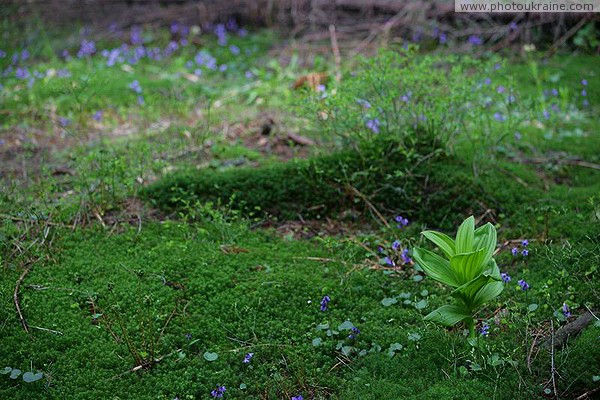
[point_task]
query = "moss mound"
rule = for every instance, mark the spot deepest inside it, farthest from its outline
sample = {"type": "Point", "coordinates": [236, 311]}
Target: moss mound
{"type": "Point", "coordinates": [431, 187]}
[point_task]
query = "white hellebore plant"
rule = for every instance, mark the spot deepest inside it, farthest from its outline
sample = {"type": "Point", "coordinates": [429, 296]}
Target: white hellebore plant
{"type": "Point", "coordinates": [468, 267]}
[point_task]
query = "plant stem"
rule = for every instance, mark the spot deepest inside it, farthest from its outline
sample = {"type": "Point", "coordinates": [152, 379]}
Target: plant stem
{"type": "Point", "coordinates": [471, 328]}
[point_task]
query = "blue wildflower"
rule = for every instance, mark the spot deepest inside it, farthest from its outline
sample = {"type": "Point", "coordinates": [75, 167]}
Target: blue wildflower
{"type": "Point", "coordinates": [499, 117]}
{"type": "Point", "coordinates": [364, 103]}
{"type": "Point", "coordinates": [525, 243]}
{"type": "Point", "coordinates": [218, 392]}
{"type": "Point", "coordinates": [64, 121]}
{"type": "Point", "coordinates": [505, 277]}
{"type": "Point", "coordinates": [355, 332]}
{"type": "Point", "coordinates": [500, 89]}
{"type": "Point", "coordinates": [525, 252]}
{"type": "Point", "coordinates": [485, 330]}
{"type": "Point", "coordinates": [299, 397]}
{"type": "Point", "coordinates": [565, 310]}
{"type": "Point", "coordinates": [405, 257]}
{"type": "Point", "coordinates": [584, 82]}
{"type": "Point", "coordinates": [247, 358]}
{"type": "Point", "coordinates": [402, 222]}
{"type": "Point", "coordinates": [524, 285]}
{"type": "Point", "coordinates": [98, 115]}
{"type": "Point", "coordinates": [514, 251]}
{"type": "Point", "coordinates": [373, 124]}
{"type": "Point", "coordinates": [389, 261]}
{"type": "Point", "coordinates": [475, 40]}
{"type": "Point", "coordinates": [396, 245]}
{"type": "Point", "coordinates": [325, 303]}
{"type": "Point", "coordinates": [136, 87]}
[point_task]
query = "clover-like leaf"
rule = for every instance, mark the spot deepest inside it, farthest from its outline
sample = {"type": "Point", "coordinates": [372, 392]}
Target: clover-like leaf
{"type": "Point", "coordinates": [31, 377]}
{"type": "Point", "coordinates": [209, 356]}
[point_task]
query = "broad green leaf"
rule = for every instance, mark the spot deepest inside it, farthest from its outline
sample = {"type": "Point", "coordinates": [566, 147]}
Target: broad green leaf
{"type": "Point", "coordinates": [469, 290]}
{"type": "Point", "coordinates": [465, 235]}
{"type": "Point", "coordinates": [468, 266]}
{"type": "Point", "coordinates": [491, 290]}
{"type": "Point", "coordinates": [448, 315]}
{"type": "Point", "coordinates": [443, 241]}
{"type": "Point", "coordinates": [485, 238]}
{"type": "Point", "coordinates": [435, 266]}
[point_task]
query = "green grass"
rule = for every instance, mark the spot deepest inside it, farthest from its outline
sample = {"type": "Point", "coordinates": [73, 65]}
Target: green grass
{"type": "Point", "coordinates": [210, 272]}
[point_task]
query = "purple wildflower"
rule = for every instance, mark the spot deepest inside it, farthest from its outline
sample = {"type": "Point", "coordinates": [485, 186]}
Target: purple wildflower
{"type": "Point", "coordinates": [443, 38]}
{"type": "Point", "coordinates": [389, 261]}
{"type": "Point", "coordinates": [320, 88]}
{"type": "Point", "coordinates": [247, 358]}
{"type": "Point", "coordinates": [136, 87]}
{"type": "Point", "coordinates": [175, 27]}
{"type": "Point", "coordinates": [363, 103]}
{"type": "Point", "coordinates": [402, 222]}
{"type": "Point", "coordinates": [234, 50]}
{"type": "Point", "coordinates": [500, 89]}
{"type": "Point", "coordinates": [88, 47]}
{"type": "Point", "coordinates": [525, 252]}
{"type": "Point", "coordinates": [140, 100]}
{"type": "Point", "coordinates": [188, 336]}
{"type": "Point", "coordinates": [2, 54]}
{"type": "Point", "coordinates": [546, 114]}
{"type": "Point", "coordinates": [514, 251]}
{"type": "Point", "coordinates": [505, 277]}
{"type": "Point", "coordinates": [518, 136]}
{"type": "Point", "coordinates": [513, 26]}
{"type": "Point", "coordinates": [64, 121]}
{"type": "Point", "coordinates": [487, 81]}
{"type": "Point", "coordinates": [373, 124]}
{"type": "Point", "coordinates": [405, 257]}
{"type": "Point", "coordinates": [355, 332]}
{"type": "Point", "coordinates": [406, 98]}
{"type": "Point", "coordinates": [584, 92]}
{"type": "Point", "coordinates": [584, 82]}
{"type": "Point", "coordinates": [380, 249]}
{"type": "Point", "coordinates": [98, 115]}
{"type": "Point", "coordinates": [218, 392]}
{"type": "Point", "coordinates": [22, 73]}
{"type": "Point", "coordinates": [499, 117]}
{"type": "Point", "coordinates": [554, 92]}
{"type": "Point", "coordinates": [485, 330]}
{"type": "Point", "coordinates": [396, 245]}
{"type": "Point", "coordinates": [25, 55]}
{"type": "Point", "coordinates": [525, 243]}
{"type": "Point", "coordinates": [524, 285]}
{"type": "Point", "coordinates": [475, 40]}
{"type": "Point", "coordinates": [136, 36]}
{"type": "Point", "coordinates": [249, 74]}
{"type": "Point", "coordinates": [325, 303]}
{"type": "Point", "coordinates": [299, 397]}
{"type": "Point", "coordinates": [565, 310]}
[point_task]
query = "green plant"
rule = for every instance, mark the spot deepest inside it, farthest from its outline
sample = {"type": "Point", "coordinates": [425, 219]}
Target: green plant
{"type": "Point", "coordinates": [469, 268]}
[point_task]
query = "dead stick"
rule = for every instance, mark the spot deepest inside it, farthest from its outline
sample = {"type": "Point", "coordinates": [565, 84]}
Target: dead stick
{"type": "Point", "coordinates": [16, 299]}
{"type": "Point", "coordinates": [371, 206]}
{"type": "Point", "coordinates": [553, 368]}
{"type": "Point", "coordinates": [336, 53]}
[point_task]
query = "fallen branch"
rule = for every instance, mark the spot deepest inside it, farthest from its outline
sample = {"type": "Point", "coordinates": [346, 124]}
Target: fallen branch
{"type": "Point", "coordinates": [571, 329]}
{"type": "Point", "coordinates": [16, 298]}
